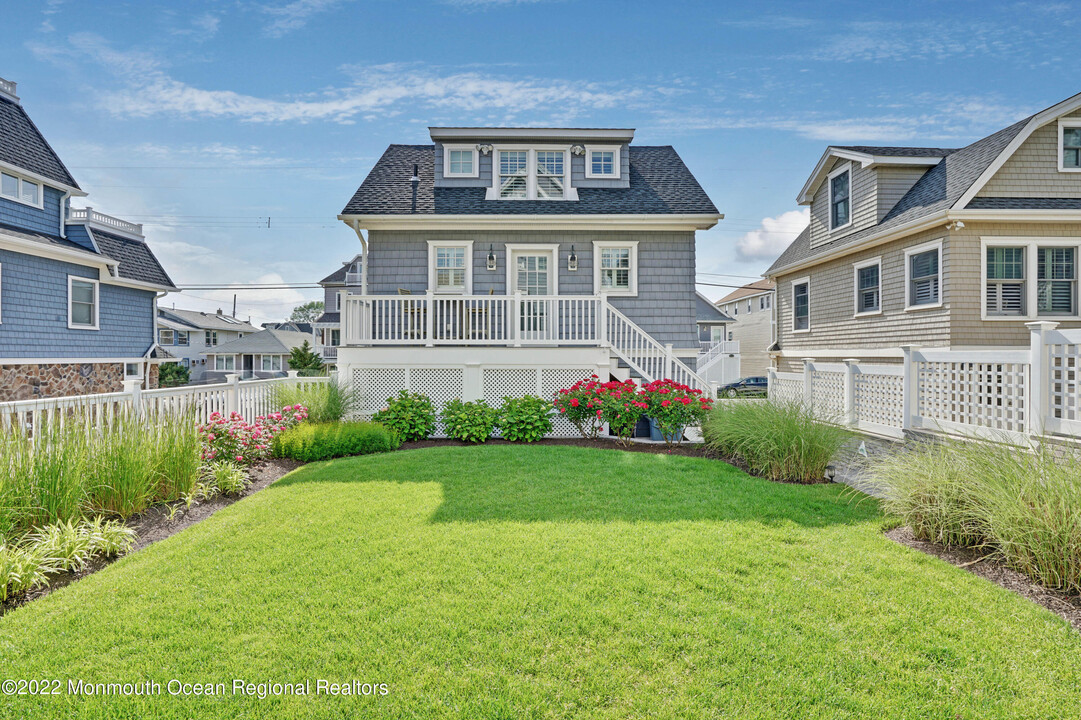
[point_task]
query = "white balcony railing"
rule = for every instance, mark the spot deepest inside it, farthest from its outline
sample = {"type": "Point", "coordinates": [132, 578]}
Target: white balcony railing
{"type": "Point", "coordinates": [716, 349]}
{"type": "Point", "coordinates": [330, 352]}
{"type": "Point", "coordinates": [352, 279]}
{"type": "Point", "coordinates": [94, 217]}
{"type": "Point", "coordinates": [8, 87]}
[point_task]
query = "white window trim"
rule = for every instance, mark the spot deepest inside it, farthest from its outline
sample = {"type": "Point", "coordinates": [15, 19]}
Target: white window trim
{"type": "Point", "coordinates": [446, 161]}
{"type": "Point", "coordinates": [1062, 124]}
{"type": "Point", "coordinates": [224, 369]}
{"type": "Point", "coordinates": [97, 303]}
{"type": "Point", "coordinates": [40, 204]}
{"type": "Point", "coordinates": [338, 301]}
{"type": "Point", "coordinates": [916, 250]}
{"type": "Point", "coordinates": [800, 281]}
{"type": "Point", "coordinates": [840, 170]}
{"type": "Point", "coordinates": [1031, 245]}
{"type": "Point", "coordinates": [187, 337]}
{"type": "Point", "coordinates": [264, 358]}
{"type": "Point", "coordinates": [169, 330]}
{"type": "Point", "coordinates": [552, 249]}
{"type": "Point", "coordinates": [569, 193]}
{"type": "Point", "coordinates": [856, 267]}
{"type": "Point", "coordinates": [631, 291]}
{"type": "Point", "coordinates": [468, 245]}
{"type": "Point", "coordinates": [138, 371]}
{"type": "Point", "coordinates": [617, 170]}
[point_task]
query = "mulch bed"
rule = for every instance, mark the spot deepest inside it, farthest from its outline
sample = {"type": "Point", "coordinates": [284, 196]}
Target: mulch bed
{"type": "Point", "coordinates": [155, 524]}
{"type": "Point", "coordinates": [985, 565]}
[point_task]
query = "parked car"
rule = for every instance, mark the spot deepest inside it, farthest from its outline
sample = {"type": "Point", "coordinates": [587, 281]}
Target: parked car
{"type": "Point", "coordinates": [755, 385]}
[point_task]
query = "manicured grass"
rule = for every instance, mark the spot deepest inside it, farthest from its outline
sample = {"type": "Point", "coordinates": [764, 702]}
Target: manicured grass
{"type": "Point", "coordinates": [541, 582]}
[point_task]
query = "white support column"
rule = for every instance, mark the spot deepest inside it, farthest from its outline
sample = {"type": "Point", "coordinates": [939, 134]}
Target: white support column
{"type": "Point", "coordinates": [808, 382]}
{"type": "Point", "coordinates": [602, 322]}
{"type": "Point", "coordinates": [909, 386]}
{"type": "Point", "coordinates": [516, 319]}
{"type": "Point", "coordinates": [667, 361]}
{"type": "Point", "coordinates": [232, 393]}
{"type": "Point", "coordinates": [135, 389]}
{"type": "Point", "coordinates": [851, 368]}
{"type": "Point", "coordinates": [472, 383]}
{"type": "Point", "coordinates": [1039, 378]}
{"type": "Point", "coordinates": [429, 318]}
{"type": "Point", "coordinates": [771, 380]}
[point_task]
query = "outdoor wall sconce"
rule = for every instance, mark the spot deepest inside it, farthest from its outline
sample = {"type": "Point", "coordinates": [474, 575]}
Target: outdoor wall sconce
{"type": "Point", "coordinates": [484, 149]}
{"type": "Point", "coordinates": [491, 257]}
{"type": "Point", "coordinates": [572, 261]}
{"type": "Point", "coordinates": [578, 150]}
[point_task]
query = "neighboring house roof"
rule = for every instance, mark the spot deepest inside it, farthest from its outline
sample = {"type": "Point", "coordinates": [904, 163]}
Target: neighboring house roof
{"type": "Point", "coordinates": [329, 317]}
{"type": "Point", "coordinates": [755, 288]}
{"type": "Point", "coordinates": [938, 190]}
{"type": "Point", "coordinates": [660, 183]}
{"type": "Point", "coordinates": [264, 342]}
{"type": "Point", "coordinates": [23, 146]}
{"type": "Point", "coordinates": [336, 277]}
{"type": "Point", "coordinates": [134, 259]}
{"type": "Point", "coordinates": [304, 327]}
{"type": "Point", "coordinates": [706, 313]}
{"type": "Point", "coordinates": [208, 321]}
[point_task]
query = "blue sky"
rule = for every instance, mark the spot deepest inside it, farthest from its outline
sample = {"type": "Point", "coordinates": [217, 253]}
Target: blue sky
{"type": "Point", "coordinates": [204, 119]}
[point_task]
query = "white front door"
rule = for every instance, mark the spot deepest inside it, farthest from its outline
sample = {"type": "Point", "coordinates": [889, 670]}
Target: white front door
{"type": "Point", "coordinates": [532, 276]}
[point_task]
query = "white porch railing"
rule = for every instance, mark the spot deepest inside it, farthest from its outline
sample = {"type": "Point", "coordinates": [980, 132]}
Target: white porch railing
{"type": "Point", "coordinates": [716, 350]}
{"type": "Point", "coordinates": [249, 398]}
{"type": "Point", "coordinates": [1011, 394]}
{"type": "Point", "coordinates": [93, 216]}
{"type": "Point", "coordinates": [329, 352]}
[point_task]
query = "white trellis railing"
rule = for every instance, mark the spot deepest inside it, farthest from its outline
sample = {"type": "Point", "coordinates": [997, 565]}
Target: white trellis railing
{"type": "Point", "coordinates": [1010, 394]}
{"type": "Point", "coordinates": [250, 398]}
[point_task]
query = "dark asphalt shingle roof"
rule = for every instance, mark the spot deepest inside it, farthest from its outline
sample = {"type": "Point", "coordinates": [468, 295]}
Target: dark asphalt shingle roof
{"type": "Point", "coordinates": [23, 145]}
{"type": "Point", "coordinates": [897, 151]}
{"type": "Point", "coordinates": [134, 258]}
{"type": "Point", "coordinates": [53, 240]}
{"type": "Point", "coordinates": [939, 189]}
{"type": "Point", "coordinates": [267, 342]}
{"type": "Point", "coordinates": [338, 276]}
{"type": "Point", "coordinates": [659, 184]}
{"type": "Point", "coordinates": [1011, 203]}
{"type": "Point", "coordinates": [329, 317]}
{"type": "Point", "coordinates": [707, 313]}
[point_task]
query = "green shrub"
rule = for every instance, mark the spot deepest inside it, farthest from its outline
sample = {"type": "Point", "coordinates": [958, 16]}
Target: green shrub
{"type": "Point", "coordinates": [778, 441]}
{"type": "Point", "coordinates": [227, 477]}
{"type": "Point", "coordinates": [410, 415]}
{"type": "Point", "coordinates": [1024, 505]}
{"type": "Point", "coordinates": [326, 401]}
{"type": "Point", "coordinates": [310, 442]}
{"type": "Point", "coordinates": [21, 570]}
{"type": "Point", "coordinates": [471, 422]}
{"type": "Point", "coordinates": [525, 419]}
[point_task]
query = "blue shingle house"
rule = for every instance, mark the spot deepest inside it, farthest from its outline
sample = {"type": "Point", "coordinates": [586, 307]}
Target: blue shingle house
{"type": "Point", "coordinates": [78, 288]}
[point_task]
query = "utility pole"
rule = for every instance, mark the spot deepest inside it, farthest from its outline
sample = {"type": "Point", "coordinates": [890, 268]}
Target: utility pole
{"type": "Point", "coordinates": [234, 305]}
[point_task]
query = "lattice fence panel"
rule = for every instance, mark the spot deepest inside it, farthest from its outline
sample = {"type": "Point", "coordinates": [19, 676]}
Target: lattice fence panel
{"type": "Point", "coordinates": [553, 380]}
{"type": "Point", "coordinates": [880, 399]}
{"type": "Point", "coordinates": [828, 395]}
{"type": "Point", "coordinates": [1064, 393]}
{"type": "Point", "coordinates": [439, 384]}
{"type": "Point", "coordinates": [374, 385]}
{"type": "Point", "coordinates": [786, 391]}
{"type": "Point", "coordinates": [507, 382]}
{"type": "Point", "coordinates": [980, 394]}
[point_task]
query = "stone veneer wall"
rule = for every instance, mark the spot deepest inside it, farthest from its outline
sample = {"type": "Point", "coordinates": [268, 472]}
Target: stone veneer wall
{"type": "Point", "coordinates": [155, 372]}
{"type": "Point", "coordinates": [36, 382]}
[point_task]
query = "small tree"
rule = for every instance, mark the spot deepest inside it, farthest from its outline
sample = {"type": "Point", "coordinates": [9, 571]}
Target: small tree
{"type": "Point", "coordinates": [308, 312]}
{"type": "Point", "coordinates": [172, 375]}
{"type": "Point", "coordinates": [305, 360]}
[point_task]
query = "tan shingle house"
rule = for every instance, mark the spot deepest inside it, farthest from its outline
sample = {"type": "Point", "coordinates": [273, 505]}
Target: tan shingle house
{"type": "Point", "coordinates": [751, 310]}
{"type": "Point", "coordinates": [935, 247]}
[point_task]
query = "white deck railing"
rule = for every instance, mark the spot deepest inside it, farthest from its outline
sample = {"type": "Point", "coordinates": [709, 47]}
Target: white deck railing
{"type": "Point", "coordinates": [91, 215]}
{"type": "Point", "coordinates": [716, 350]}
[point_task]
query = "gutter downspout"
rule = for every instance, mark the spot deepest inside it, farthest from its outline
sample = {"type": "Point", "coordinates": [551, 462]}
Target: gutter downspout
{"type": "Point", "coordinates": [364, 257]}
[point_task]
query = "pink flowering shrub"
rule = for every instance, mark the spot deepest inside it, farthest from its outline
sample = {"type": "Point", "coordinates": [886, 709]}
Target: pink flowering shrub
{"type": "Point", "coordinates": [674, 406]}
{"type": "Point", "coordinates": [234, 439]}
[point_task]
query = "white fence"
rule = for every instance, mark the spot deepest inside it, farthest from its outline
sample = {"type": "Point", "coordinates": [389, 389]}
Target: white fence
{"type": "Point", "coordinates": [249, 398]}
{"type": "Point", "coordinates": [1010, 394]}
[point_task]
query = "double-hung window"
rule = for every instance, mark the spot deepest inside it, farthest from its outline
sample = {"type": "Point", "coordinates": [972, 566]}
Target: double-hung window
{"type": "Point", "coordinates": [166, 336]}
{"type": "Point", "coordinates": [602, 162]}
{"type": "Point", "coordinates": [1056, 280]}
{"type": "Point", "coordinates": [869, 287]}
{"type": "Point", "coordinates": [182, 337]}
{"type": "Point", "coordinates": [513, 174]}
{"type": "Point", "coordinates": [450, 266]}
{"type": "Point", "coordinates": [616, 268]}
{"type": "Point", "coordinates": [271, 363]}
{"type": "Point", "coordinates": [224, 362]}
{"type": "Point", "coordinates": [1005, 289]}
{"type": "Point", "coordinates": [82, 303]}
{"type": "Point", "coordinates": [924, 276]}
{"type": "Point", "coordinates": [550, 175]}
{"type": "Point", "coordinates": [211, 337]}
{"type": "Point", "coordinates": [801, 305]}
{"type": "Point", "coordinates": [1070, 145]}
{"type": "Point", "coordinates": [840, 191]}
{"type": "Point", "coordinates": [20, 190]}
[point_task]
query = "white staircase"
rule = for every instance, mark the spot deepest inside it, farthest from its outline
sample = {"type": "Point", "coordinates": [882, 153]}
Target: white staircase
{"type": "Point", "coordinates": [644, 355]}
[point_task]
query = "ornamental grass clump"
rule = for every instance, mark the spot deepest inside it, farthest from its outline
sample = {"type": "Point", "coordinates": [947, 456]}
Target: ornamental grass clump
{"type": "Point", "coordinates": [525, 419]}
{"type": "Point", "coordinates": [1021, 504]}
{"type": "Point", "coordinates": [775, 440]}
{"type": "Point", "coordinates": [675, 407]}
{"type": "Point", "coordinates": [410, 415]}
{"type": "Point", "coordinates": [329, 401]}
{"type": "Point", "coordinates": [471, 422]}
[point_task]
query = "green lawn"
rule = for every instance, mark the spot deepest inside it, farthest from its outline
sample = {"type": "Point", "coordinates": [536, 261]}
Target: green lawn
{"type": "Point", "coordinates": [537, 582]}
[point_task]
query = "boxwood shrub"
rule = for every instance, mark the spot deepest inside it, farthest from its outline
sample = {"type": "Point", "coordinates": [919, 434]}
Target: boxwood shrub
{"type": "Point", "coordinates": [309, 442]}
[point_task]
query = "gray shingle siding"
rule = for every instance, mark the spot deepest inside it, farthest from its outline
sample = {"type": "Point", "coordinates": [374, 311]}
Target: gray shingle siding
{"type": "Point", "coordinates": [664, 307]}
{"type": "Point", "coordinates": [34, 294]}
{"type": "Point", "coordinates": [44, 220]}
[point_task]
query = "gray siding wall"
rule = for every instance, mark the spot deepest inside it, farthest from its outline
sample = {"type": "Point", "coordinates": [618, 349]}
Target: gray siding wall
{"type": "Point", "coordinates": [864, 194]}
{"type": "Point", "coordinates": [34, 313]}
{"type": "Point", "coordinates": [578, 171]}
{"type": "Point", "coordinates": [45, 220]}
{"type": "Point", "coordinates": [664, 306]}
{"type": "Point", "coordinates": [484, 165]}
{"type": "Point", "coordinates": [893, 183]}
{"type": "Point", "coordinates": [1032, 171]}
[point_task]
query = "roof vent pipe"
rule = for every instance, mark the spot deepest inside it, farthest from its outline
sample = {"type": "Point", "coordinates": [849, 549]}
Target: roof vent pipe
{"type": "Point", "coordinates": [416, 175]}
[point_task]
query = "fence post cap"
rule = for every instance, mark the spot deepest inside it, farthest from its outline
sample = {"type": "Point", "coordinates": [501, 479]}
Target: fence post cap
{"type": "Point", "coordinates": [232, 377]}
{"type": "Point", "coordinates": [293, 373]}
{"type": "Point", "coordinates": [134, 385]}
{"type": "Point", "coordinates": [1040, 325]}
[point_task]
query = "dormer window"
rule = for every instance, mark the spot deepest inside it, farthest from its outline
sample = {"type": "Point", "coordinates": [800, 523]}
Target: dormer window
{"type": "Point", "coordinates": [20, 190]}
{"type": "Point", "coordinates": [602, 162]}
{"type": "Point", "coordinates": [840, 189]}
{"type": "Point", "coordinates": [532, 174]}
{"type": "Point", "coordinates": [549, 175]}
{"type": "Point", "coordinates": [460, 161]}
{"type": "Point", "coordinates": [1069, 145]}
{"type": "Point", "coordinates": [513, 174]}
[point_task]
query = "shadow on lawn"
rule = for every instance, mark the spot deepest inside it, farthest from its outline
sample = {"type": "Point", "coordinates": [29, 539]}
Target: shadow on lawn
{"type": "Point", "coordinates": [570, 484]}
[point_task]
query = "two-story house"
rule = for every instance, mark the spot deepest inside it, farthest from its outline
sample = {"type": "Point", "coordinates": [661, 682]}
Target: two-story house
{"type": "Point", "coordinates": [189, 335]}
{"type": "Point", "coordinates": [935, 247]}
{"type": "Point", "coordinates": [751, 310]}
{"type": "Point", "coordinates": [503, 261]}
{"type": "Point", "coordinates": [328, 326]}
{"type": "Point", "coordinates": [78, 288]}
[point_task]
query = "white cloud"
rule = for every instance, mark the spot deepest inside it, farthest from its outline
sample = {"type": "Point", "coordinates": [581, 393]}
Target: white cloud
{"type": "Point", "coordinates": [294, 15]}
{"type": "Point", "coordinates": [774, 235]}
{"type": "Point", "coordinates": [202, 28]}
